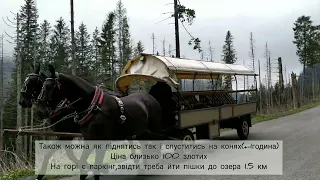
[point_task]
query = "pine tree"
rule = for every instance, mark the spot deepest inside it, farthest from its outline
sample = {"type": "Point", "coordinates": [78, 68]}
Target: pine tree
{"type": "Point", "coordinates": [229, 57]}
{"type": "Point", "coordinates": [60, 46]}
{"type": "Point", "coordinates": [304, 33]}
{"type": "Point", "coordinates": [139, 48]}
{"type": "Point", "coordinates": [44, 41]}
{"type": "Point", "coordinates": [83, 52]}
{"type": "Point", "coordinates": [229, 53]}
{"type": "Point", "coordinates": [126, 42]}
{"type": "Point", "coordinates": [210, 49]}
{"type": "Point", "coordinates": [29, 34]}
{"type": "Point", "coordinates": [108, 49]}
{"type": "Point", "coordinates": [96, 56]}
{"type": "Point", "coordinates": [252, 51]}
{"type": "Point", "coordinates": [120, 14]}
{"type": "Point", "coordinates": [202, 55]}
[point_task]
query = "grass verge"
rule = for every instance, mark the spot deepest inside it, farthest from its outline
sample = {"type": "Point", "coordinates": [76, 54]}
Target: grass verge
{"type": "Point", "coordinates": [262, 117]}
{"type": "Point", "coordinates": [18, 174]}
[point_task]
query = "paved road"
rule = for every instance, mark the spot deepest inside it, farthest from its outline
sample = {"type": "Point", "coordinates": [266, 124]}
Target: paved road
{"type": "Point", "coordinates": [301, 140]}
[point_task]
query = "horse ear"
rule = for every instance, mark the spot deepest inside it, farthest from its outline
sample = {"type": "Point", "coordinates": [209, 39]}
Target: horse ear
{"type": "Point", "coordinates": [52, 71]}
{"type": "Point", "coordinates": [37, 68]}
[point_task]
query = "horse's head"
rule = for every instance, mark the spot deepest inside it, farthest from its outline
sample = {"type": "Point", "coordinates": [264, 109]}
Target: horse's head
{"type": "Point", "coordinates": [31, 87]}
{"type": "Point", "coordinates": [50, 95]}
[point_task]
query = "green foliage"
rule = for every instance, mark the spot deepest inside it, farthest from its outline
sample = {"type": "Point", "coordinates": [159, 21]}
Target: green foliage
{"type": "Point", "coordinates": [196, 44]}
{"type": "Point", "coordinates": [126, 42]}
{"type": "Point", "coordinates": [139, 48]}
{"type": "Point", "coordinates": [266, 117]}
{"type": "Point", "coordinates": [28, 31]}
{"type": "Point", "coordinates": [60, 46]}
{"type": "Point", "coordinates": [228, 57]}
{"type": "Point", "coordinates": [305, 36]}
{"type": "Point", "coordinates": [108, 55]}
{"type": "Point", "coordinates": [83, 52]}
{"type": "Point", "coordinates": [95, 56]}
{"type": "Point", "coordinates": [17, 173]}
{"type": "Point", "coordinates": [228, 50]}
{"type": "Point", "coordinates": [44, 40]}
{"type": "Point", "coordinates": [120, 13]}
{"type": "Point", "coordinates": [187, 14]}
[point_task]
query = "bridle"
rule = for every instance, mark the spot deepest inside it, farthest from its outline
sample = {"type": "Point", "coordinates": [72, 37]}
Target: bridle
{"type": "Point", "coordinates": [24, 89]}
{"type": "Point", "coordinates": [64, 104]}
{"type": "Point", "coordinates": [56, 84]}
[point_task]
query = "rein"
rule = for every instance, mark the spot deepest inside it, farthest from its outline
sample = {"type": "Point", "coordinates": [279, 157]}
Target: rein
{"type": "Point", "coordinates": [87, 114]}
{"type": "Point", "coordinates": [64, 104]}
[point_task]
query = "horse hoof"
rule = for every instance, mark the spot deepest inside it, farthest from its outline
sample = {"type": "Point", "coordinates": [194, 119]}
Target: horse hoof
{"type": "Point", "coordinates": [83, 177]}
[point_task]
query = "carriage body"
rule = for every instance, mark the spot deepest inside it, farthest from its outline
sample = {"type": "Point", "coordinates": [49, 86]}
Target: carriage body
{"type": "Point", "coordinates": [200, 112]}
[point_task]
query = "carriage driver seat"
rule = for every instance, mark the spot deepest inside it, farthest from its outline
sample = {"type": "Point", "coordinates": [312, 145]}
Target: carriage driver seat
{"type": "Point", "coordinates": [161, 91]}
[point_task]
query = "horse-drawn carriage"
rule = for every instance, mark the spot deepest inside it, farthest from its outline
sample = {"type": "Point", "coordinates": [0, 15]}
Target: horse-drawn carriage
{"type": "Point", "coordinates": [74, 105]}
{"type": "Point", "coordinates": [206, 111]}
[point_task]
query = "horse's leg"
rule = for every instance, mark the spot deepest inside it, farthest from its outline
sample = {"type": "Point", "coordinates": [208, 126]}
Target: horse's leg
{"type": "Point", "coordinates": [83, 160]}
{"type": "Point", "coordinates": [98, 160]}
{"type": "Point", "coordinates": [100, 153]}
{"type": "Point", "coordinates": [133, 151]}
{"type": "Point", "coordinates": [96, 177]}
{"type": "Point", "coordinates": [45, 163]}
{"type": "Point", "coordinates": [69, 152]}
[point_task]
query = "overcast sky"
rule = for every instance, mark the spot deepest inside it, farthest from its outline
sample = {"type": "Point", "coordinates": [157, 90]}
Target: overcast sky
{"type": "Point", "coordinates": [270, 21]}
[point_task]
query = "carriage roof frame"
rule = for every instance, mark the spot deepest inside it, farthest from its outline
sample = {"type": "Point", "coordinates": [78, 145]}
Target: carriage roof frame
{"type": "Point", "coordinates": [171, 70]}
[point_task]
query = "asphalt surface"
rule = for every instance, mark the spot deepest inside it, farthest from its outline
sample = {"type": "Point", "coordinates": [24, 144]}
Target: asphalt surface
{"type": "Point", "coordinates": [300, 134]}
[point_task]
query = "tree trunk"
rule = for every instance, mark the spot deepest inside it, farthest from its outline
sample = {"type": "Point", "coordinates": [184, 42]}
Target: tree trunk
{"type": "Point", "coordinates": [302, 79]}
{"type": "Point", "coordinates": [74, 64]}
{"type": "Point", "coordinates": [313, 83]}
{"type": "Point", "coordinates": [19, 109]}
{"type": "Point", "coordinates": [1, 96]}
{"type": "Point", "coordinates": [30, 140]}
{"type": "Point", "coordinates": [260, 92]}
{"type": "Point", "coordinates": [26, 137]}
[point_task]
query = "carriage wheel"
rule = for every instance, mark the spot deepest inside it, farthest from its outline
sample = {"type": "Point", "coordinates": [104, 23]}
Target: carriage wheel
{"type": "Point", "coordinates": [187, 137]}
{"type": "Point", "coordinates": [243, 130]}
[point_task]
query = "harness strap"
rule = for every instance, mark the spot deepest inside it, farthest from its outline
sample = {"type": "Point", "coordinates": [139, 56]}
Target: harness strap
{"type": "Point", "coordinates": [59, 108]}
{"type": "Point", "coordinates": [121, 106]}
{"type": "Point", "coordinates": [95, 104]}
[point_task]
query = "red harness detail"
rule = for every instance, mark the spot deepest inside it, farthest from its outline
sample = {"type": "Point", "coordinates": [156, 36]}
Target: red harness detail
{"type": "Point", "coordinates": [59, 109]}
{"type": "Point", "coordinates": [95, 103]}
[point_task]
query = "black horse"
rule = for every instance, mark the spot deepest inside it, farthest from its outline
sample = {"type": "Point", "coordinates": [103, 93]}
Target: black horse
{"type": "Point", "coordinates": [28, 95]}
{"type": "Point", "coordinates": [102, 116]}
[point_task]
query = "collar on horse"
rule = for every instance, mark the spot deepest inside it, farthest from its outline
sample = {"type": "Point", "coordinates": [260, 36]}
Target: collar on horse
{"type": "Point", "coordinates": [95, 105]}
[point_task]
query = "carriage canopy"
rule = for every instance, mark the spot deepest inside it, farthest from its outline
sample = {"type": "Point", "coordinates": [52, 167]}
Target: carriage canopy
{"type": "Point", "coordinates": [171, 70]}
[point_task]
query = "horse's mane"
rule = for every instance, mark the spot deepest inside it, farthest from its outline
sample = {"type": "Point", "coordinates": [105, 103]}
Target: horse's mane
{"type": "Point", "coordinates": [42, 75]}
{"type": "Point", "coordinates": [82, 83]}
{"type": "Point", "coordinates": [71, 77]}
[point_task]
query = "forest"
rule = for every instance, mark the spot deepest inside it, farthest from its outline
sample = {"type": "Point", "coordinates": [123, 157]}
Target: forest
{"type": "Point", "coordinates": [99, 57]}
